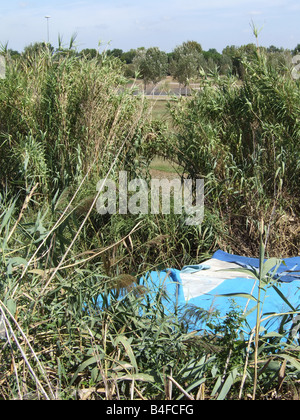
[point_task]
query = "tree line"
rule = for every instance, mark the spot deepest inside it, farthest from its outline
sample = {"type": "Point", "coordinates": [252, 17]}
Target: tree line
{"type": "Point", "coordinates": [188, 60]}
{"type": "Point", "coordinates": [185, 63]}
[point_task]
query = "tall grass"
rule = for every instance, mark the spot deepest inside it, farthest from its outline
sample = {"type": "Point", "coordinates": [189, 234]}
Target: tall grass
{"type": "Point", "coordinates": [65, 123]}
{"type": "Point", "coordinates": [85, 334]}
{"type": "Point", "coordinates": [62, 115]}
{"type": "Point", "coordinates": [244, 140]}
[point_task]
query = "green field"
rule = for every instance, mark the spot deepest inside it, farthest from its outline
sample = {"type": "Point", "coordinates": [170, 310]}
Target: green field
{"type": "Point", "coordinates": [159, 109]}
{"type": "Point", "coordinates": [163, 165]}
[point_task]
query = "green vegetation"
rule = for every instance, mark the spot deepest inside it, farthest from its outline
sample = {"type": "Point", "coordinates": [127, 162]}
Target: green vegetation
{"type": "Point", "coordinates": [152, 65]}
{"type": "Point", "coordinates": [69, 119]}
{"type": "Point", "coordinates": [164, 166]}
{"type": "Point", "coordinates": [244, 140]}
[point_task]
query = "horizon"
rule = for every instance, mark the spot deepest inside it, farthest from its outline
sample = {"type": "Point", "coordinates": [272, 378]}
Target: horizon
{"type": "Point", "coordinates": [128, 24]}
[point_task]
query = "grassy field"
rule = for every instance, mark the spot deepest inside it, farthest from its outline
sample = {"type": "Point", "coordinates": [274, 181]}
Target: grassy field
{"type": "Point", "coordinates": [163, 165]}
{"type": "Point", "coordinates": [159, 166]}
{"type": "Point", "coordinates": [164, 169]}
{"type": "Point", "coordinates": [159, 109]}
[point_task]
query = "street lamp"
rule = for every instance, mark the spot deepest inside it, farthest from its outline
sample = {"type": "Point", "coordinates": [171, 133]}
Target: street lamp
{"type": "Point", "coordinates": [48, 17]}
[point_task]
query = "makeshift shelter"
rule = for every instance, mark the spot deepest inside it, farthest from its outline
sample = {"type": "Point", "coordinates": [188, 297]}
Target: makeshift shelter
{"type": "Point", "coordinates": [2, 67]}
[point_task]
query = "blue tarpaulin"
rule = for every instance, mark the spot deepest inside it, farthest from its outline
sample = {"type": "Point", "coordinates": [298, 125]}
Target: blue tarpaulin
{"type": "Point", "coordinates": [289, 270]}
{"type": "Point", "coordinates": [283, 297]}
{"type": "Point", "coordinates": [215, 284]}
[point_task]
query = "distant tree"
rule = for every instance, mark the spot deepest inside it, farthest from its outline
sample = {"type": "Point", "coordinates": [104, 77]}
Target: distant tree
{"type": "Point", "coordinates": [170, 56]}
{"type": "Point", "coordinates": [230, 51]}
{"type": "Point", "coordinates": [249, 50]}
{"type": "Point", "coordinates": [116, 52]}
{"type": "Point", "coordinates": [129, 56]}
{"type": "Point", "coordinates": [225, 65]}
{"type": "Point", "coordinates": [14, 54]}
{"type": "Point", "coordinates": [152, 64]}
{"type": "Point", "coordinates": [296, 50]}
{"type": "Point", "coordinates": [279, 59]}
{"type": "Point", "coordinates": [186, 62]}
{"type": "Point", "coordinates": [273, 49]}
{"type": "Point", "coordinates": [89, 53]}
{"type": "Point", "coordinates": [213, 59]}
{"type": "Point", "coordinates": [192, 46]}
{"type": "Point", "coordinates": [213, 54]}
{"type": "Point", "coordinates": [237, 55]}
{"type": "Point", "coordinates": [230, 55]}
{"type": "Point", "coordinates": [37, 48]}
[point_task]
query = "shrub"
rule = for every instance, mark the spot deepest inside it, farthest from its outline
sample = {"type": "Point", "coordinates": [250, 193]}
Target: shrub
{"type": "Point", "coordinates": [244, 140]}
{"type": "Point", "coordinates": [62, 116]}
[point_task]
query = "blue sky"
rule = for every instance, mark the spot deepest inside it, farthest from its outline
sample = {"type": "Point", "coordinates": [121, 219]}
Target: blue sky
{"type": "Point", "coordinates": [130, 24]}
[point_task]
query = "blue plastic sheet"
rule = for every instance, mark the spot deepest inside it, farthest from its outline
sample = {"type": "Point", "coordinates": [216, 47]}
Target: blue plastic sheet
{"type": "Point", "coordinates": [220, 299]}
{"type": "Point", "coordinates": [217, 300]}
{"type": "Point", "coordinates": [288, 271]}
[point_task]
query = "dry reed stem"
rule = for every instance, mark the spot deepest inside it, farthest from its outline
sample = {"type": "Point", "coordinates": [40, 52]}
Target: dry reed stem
{"type": "Point", "coordinates": [3, 308]}
{"type": "Point", "coordinates": [201, 393]}
{"type": "Point", "coordinates": [24, 207]}
{"type": "Point", "coordinates": [85, 219]}
{"type": "Point", "coordinates": [60, 220]}
{"type": "Point", "coordinates": [96, 254]}
{"type": "Point", "coordinates": [186, 394]}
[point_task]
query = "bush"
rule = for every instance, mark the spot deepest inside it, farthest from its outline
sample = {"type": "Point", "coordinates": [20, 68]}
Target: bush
{"type": "Point", "coordinates": [244, 140]}
{"type": "Point", "coordinates": [62, 116]}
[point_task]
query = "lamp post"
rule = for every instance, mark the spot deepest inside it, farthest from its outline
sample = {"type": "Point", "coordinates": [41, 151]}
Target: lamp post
{"type": "Point", "coordinates": [48, 17]}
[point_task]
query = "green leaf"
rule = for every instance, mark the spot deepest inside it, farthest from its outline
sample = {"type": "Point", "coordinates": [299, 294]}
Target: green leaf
{"type": "Point", "coordinates": [273, 334]}
{"type": "Point", "coordinates": [292, 360]}
{"type": "Point", "coordinates": [243, 295]}
{"type": "Point", "coordinates": [123, 340]}
{"type": "Point", "coordinates": [8, 215]}
{"type": "Point", "coordinates": [228, 384]}
{"type": "Point", "coordinates": [137, 377]}
{"type": "Point", "coordinates": [11, 306]}
{"type": "Point", "coordinates": [284, 298]}
{"type": "Point", "coordinates": [216, 387]}
{"type": "Point", "coordinates": [83, 366]}
{"type": "Point", "coordinates": [15, 262]}
{"type": "Point", "coordinates": [194, 385]}
{"type": "Point", "coordinates": [269, 265]}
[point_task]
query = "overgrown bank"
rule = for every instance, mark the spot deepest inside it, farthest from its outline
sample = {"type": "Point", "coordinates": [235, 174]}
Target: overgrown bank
{"type": "Point", "coordinates": [67, 122]}
{"type": "Point", "coordinates": [244, 140]}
